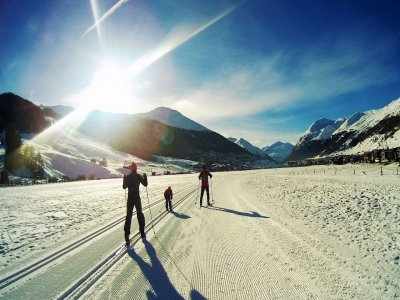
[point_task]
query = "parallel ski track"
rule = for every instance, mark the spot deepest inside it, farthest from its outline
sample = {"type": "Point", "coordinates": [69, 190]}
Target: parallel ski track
{"type": "Point", "coordinates": [21, 274]}
{"type": "Point", "coordinates": [83, 284]}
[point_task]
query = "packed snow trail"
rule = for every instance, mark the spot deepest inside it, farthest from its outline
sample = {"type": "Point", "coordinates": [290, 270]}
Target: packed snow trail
{"type": "Point", "coordinates": [55, 272]}
{"type": "Point", "coordinates": [240, 248]}
{"type": "Point", "coordinates": [270, 234]}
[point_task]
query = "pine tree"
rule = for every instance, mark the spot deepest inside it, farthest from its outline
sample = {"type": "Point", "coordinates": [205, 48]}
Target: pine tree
{"type": "Point", "coordinates": [13, 143]}
{"type": "Point", "coordinates": [38, 170]}
{"type": "Point", "coordinates": [13, 139]}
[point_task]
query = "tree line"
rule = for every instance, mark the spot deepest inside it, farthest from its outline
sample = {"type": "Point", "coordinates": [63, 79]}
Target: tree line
{"type": "Point", "coordinates": [21, 158]}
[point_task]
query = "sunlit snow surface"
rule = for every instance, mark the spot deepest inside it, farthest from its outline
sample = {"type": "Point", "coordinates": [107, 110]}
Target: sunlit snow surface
{"type": "Point", "coordinates": [71, 154]}
{"type": "Point", "coordinates": [295, 233]}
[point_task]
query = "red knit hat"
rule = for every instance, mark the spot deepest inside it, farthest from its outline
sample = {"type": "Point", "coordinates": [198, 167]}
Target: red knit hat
{"type": "Point", "coordinates": [133, 167]}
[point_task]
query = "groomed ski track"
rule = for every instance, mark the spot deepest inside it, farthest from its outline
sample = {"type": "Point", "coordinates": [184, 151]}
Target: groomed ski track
{"type": "Point", "coordinates": [266, 236]}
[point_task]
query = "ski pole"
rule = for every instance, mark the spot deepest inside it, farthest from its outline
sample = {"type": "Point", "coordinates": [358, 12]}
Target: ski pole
{"type": "Point", "coordinates": [212, 196]}
{"type": "Point", "coordinates": [148, 201]}
{"type": "Point", "coordinates": [197, 194]}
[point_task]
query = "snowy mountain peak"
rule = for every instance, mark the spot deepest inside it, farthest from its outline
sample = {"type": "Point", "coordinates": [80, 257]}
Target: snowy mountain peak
{"type": "Point", "coordinates": [392, 109]}
{"type": "Point", "coordinates": [278, 145]}
{"type": "Point", "coordinates": [361, 132]}
{"type": "Point", "coordinates": [173, 118]}
{"type": "Point", "coordinates": [248, 146]}
{"type": "Point", "coordinates": [278, 151]}
{"type": "Point", "coordinates": [350, 121]}
{"type": "Point", "coordinates": [394, 106]}
{"type": "Point", "coordinates": [321, 129]}
{"type": "Point", "coordinates": [320, 124]}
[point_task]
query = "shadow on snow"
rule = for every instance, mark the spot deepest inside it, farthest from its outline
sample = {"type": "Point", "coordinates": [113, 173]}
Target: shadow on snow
{"type": "Point", "coordinates": [180, 215]}
{"type": "Point", "coordinates": [158, 277]}
{"type": "Point", "coordinates": [239, 213]}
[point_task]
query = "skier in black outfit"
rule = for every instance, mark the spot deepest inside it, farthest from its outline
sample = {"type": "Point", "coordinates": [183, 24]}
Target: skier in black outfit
{"type": "Point", "coordinates": [132, 182]}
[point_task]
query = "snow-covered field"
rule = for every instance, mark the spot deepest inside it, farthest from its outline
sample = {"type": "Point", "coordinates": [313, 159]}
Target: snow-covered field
{"type": "Point", "coordinates": [302, 233]}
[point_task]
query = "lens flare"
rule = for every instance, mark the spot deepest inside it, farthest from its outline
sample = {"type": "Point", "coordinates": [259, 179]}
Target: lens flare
{"type": "Point", "coordinates": [67, 124]}
{"type": "Point", "coordinates": [111, 83]}
{"type": "Point", "coordinates": [103, 17]}
{"type": "Point", "coordinates": [178, 37]}
{"type": "Point", "coordinates": [96, 16]}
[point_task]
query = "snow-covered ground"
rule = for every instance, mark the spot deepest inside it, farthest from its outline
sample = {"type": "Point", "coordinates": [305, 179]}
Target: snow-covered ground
{"type": "Point", "coordinates": [70, 153]}
{"type": "Point", "coordinates": [301, 233]}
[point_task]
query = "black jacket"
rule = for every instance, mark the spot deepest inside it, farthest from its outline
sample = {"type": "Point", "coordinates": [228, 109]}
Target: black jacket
{"type": "Point", "coordinates": [132, 182]}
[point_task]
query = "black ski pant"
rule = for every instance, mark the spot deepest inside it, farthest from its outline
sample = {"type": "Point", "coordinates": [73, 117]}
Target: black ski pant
{"type": "Point", "coordinates": [134, 201]}
{"type": "Point", "coordinates": [168, 205]}
{"type": "Point", "coordinates": [202, 192]}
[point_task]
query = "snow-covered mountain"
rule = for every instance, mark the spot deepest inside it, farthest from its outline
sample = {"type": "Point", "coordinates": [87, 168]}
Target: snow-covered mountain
{"type": "Point", "coordinates": [61, 109]}
{"type": "Point", "coordinates": [70, 153]}
{"type": "Point", "coordinates": [74, 145]}
{"type": "Point", "coordinates": [322, 129]}
{"type": "Point", "coordinates": [361, 132]}
{"type": "Point", "coordinates": [278, 151]}
{"type": "Point", "coordinates": [173, 118]}
{"type": "Point", "coordinates": [248, 146]}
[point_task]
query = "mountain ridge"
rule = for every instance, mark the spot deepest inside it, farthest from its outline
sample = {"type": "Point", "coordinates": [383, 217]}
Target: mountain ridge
{"type": "Point", "coordinates": [173, 118]}
{"type": "Point", "coordinates": [136, 135]}
{"type": "Point", "coordinates": [278, 150]}
{"type": "Point", "coordinates": [361, 132]}
{"type": "Point", "coordinates": [248, 146]}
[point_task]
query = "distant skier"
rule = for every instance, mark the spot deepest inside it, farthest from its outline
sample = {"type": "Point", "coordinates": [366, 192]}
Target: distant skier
{"type": "Point", "coordinates": [203, 176]}
{"type": "Point", "coordinates": [168, 198]}
{"type": "Point", "coordinates": [132, 182]}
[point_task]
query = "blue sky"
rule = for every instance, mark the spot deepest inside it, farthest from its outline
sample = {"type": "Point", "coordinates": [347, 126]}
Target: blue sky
{"type": "Point", "coordinates": [261, 70]}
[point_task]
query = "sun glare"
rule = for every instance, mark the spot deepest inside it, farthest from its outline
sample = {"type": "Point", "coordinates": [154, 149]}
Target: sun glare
{"type": "Point", "coordinates": [110, 84]}
{"type": "Point", "coordinates": [108, 91]}
{"type": "Point", "coordinates": [67, 124]}
{"type": "Point", "coordinates": [111, 90]}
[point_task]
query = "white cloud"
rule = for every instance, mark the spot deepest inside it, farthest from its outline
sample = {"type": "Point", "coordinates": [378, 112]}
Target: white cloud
{"type": "Point", "coordinates": [329, 68]}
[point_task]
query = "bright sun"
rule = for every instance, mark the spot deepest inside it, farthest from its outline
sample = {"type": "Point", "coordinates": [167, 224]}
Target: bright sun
{"type": "Point", "coordinates": [110, 90]}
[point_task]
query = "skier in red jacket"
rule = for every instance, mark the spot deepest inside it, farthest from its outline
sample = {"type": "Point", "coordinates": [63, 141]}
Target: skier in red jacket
{"type": "Point", "coordinates": [203, 176]}
{"type": "Point", "coordinates": [168, 197]}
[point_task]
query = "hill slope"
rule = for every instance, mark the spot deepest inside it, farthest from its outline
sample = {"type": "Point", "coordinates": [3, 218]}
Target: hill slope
{"type": "Point", "coordinates": [25, 115]}
{"type": "Point", "coordinates": [145, 137]}
{"type": "Point", "coordinates": [173, 118]}
{"type": "Point", "coordinates": [137, 135]}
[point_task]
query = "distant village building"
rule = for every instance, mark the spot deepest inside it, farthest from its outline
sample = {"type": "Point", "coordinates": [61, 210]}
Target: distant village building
{"type": "Point", "coordinates": [373, 156]}
{"type": "Point", "coordinates": [389, 154]}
